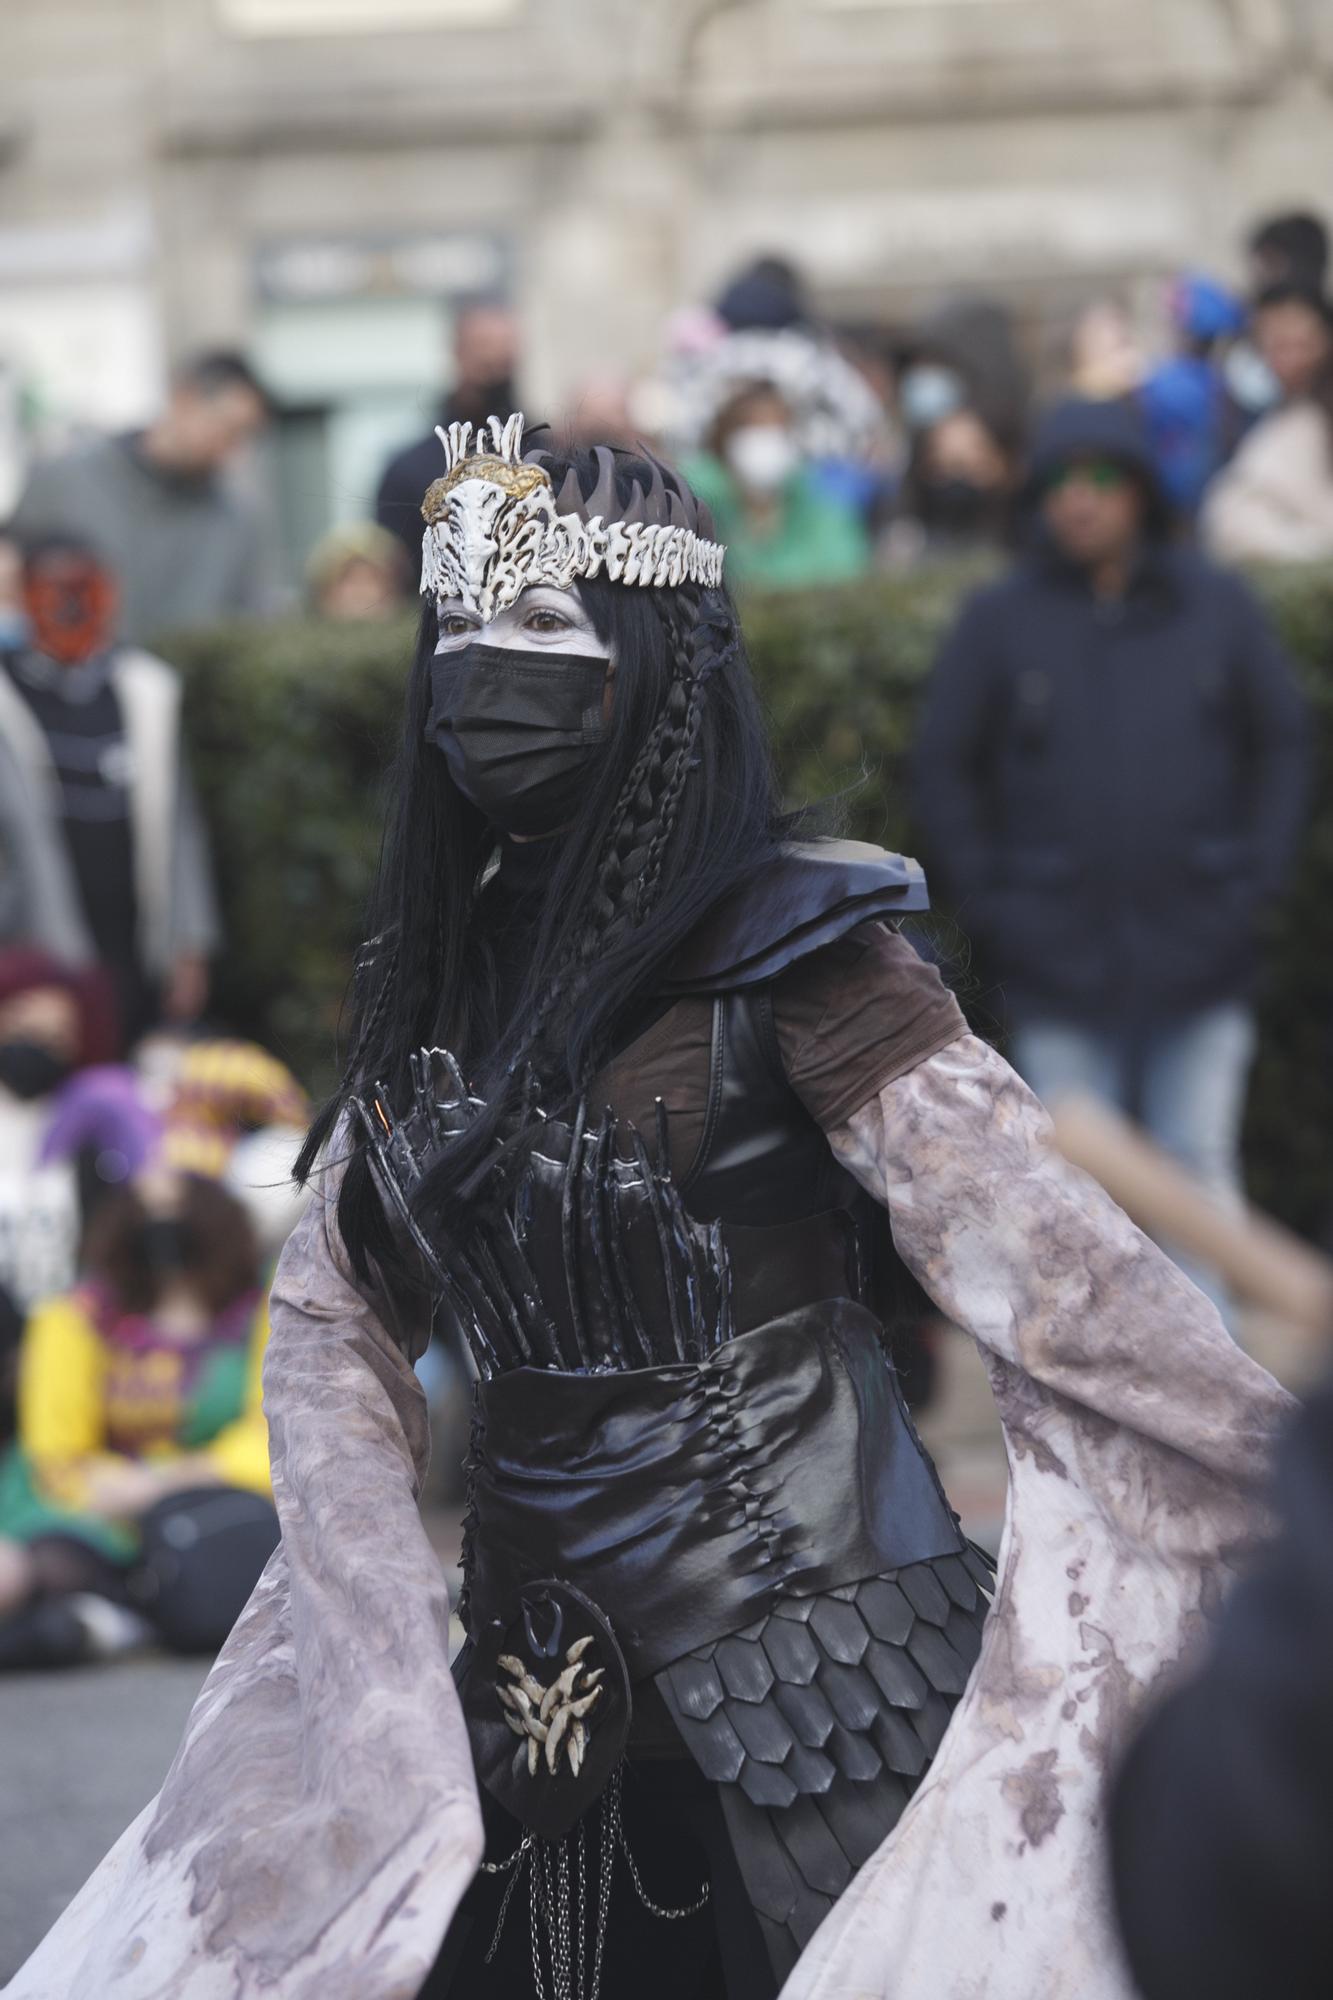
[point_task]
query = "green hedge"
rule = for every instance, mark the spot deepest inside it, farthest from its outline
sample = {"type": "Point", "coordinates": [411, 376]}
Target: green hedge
{"type": "Point", "coordinates": [292, 726]}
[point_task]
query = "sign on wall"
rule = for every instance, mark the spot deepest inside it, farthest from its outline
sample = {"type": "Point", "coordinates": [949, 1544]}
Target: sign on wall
{"type": "Point", "coordinates": [353, 17]}
{"type": "Point", "coordinates": [448, 264]}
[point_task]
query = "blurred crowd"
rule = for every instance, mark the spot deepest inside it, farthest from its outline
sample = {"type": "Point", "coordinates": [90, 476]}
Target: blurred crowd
{"type": "Point", "coordinates": [827, 450]}
{"type": "Point", "coordinates": [1109, 776]}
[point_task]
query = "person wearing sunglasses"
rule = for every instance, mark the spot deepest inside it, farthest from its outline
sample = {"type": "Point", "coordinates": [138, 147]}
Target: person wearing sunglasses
{"type": "Point", "coordinates": [1110, 778]}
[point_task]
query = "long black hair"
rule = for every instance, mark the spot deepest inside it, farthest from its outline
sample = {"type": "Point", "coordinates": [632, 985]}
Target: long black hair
{"type": "Point", "coordinates": [681, 805]}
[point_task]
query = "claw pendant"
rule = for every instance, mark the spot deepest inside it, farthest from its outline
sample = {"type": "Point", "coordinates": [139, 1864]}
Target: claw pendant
{"type": "Point", "coordinates": [552, 1719]}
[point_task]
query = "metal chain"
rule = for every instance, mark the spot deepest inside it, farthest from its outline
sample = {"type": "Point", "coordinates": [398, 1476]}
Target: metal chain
{"type": "Point", "coordinates": [562, 1915]}
{"type": "Point", "coordinates": [551, 1893]}
{"type": "Point", "coordinates": [502, 1867]}
{"type": "Point", "coordinates": [581, 1909]}
{"type": "Point", "coordinates": [606, 1862]}
{"type": "Point", "coordinates": [510, 1887]}
{"type": "Point", "coordinates": [547, 1914]}
{"type": "Point", "coordinates": [558, 1893]}
{"type": "Point", "coordinates": [654, 1909]}
{"type": "Point", "coordinates": [538, 1980]}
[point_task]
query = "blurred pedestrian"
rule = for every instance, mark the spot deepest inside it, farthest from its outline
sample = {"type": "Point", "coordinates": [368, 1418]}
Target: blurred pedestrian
{"type": "Point", "coordinates": [357, 571]}
{"type": "Point", "coordinates": [965, 354]}
{"type": "Point", "coordinates": [957, 496]}
{"type": "Point", "coordinates": [1193, 420]}
{"type": "Point", "coordinates": [1222, 1817]}
{"type": "Point", "coordinates": [218, 1091]}
{"type": "Point", "coordinates": [13, 615]}
{"type": "Point", "coordinates": [1274, 501]}
{"type": "Point", "coordinates": [870, 479]}
{"type": "Point", "coordinates": [222, 1108]}
{"type": "Point", "coordinates": [767, 294]}
{"type": "Point", "coordinates": [782, 528]}
{"type": "Point", "coordinates": [1105, 357]}
{"type": "Point", "coordinates": [599, 411]}
{"type": "Point", "coordinates": [140, 1475]}
{"type": "Point", "coordinates": [764, 332]}
{"type": "Point", "coordinates": [1290, 248]}
{"type": "Point", "coordinates": [1284, 249]}
{"type": "Point", "coordinates": [485, 360]}
{"type": "Point", "coordinates": [1110, 775]}
{"type": "Point", "coordinates": [111, 866]}
{"type": "Point", "coordinates": [186, 546]}
{"type": "Point", "coordinates": [58, 1035]}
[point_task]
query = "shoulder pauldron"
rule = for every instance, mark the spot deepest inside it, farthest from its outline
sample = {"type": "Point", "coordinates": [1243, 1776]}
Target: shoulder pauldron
{"type": "Point", "coordinates": [810, 893]}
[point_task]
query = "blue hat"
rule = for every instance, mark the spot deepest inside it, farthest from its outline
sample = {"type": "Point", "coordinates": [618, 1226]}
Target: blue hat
{"type": "Point", "coordinates": [1205, 310]}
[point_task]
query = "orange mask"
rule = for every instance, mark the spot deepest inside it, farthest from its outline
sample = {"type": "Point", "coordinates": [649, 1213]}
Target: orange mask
{"type": "Point", "coordinates": [71, 602]}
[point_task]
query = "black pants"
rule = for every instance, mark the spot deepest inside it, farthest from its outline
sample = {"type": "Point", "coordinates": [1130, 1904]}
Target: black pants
{"type": "Point", "coordinates": [676, 1834]}
{"type": "Point", "coordinates": [202, 1553]}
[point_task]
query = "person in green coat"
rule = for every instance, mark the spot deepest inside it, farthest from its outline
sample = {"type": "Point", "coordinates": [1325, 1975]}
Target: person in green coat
{"type": "Point", "coordinates": [782, 530]}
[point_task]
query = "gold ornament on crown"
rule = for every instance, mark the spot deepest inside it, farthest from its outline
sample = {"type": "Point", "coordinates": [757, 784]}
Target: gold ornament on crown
{"type": "Point", "coordinates": [515, 480]}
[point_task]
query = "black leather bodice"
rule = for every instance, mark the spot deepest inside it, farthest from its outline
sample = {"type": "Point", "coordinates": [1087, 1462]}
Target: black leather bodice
{"type": "Point", "coordinates": [597, 1258]}
{"type": "Point", "coordinates": [791, 1220]}
{"type": "Point", "coordinates": [763, 1161]}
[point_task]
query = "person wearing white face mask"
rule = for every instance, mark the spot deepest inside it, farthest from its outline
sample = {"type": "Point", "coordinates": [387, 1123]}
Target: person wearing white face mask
{"type": "Point", "coordinates": [782, 529]}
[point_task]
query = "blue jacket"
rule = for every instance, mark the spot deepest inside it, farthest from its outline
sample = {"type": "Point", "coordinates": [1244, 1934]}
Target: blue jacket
{"type": "Point", "coordinates": [1110, 793]}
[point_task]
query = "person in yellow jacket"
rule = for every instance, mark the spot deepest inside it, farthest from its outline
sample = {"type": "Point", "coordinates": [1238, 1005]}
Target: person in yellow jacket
{"type": "Point", "coordinates": [139, 1475]}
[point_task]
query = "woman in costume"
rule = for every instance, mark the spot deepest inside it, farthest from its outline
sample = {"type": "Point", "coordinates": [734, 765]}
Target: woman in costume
{"type": "Point", "coordinates": [728, 1551]}
{"type": "Point", "coordinates": [637, 1072]}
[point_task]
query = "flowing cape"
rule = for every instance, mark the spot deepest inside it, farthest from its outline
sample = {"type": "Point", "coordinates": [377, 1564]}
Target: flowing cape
{"type": "Point", "coordinates": [320, 1822]}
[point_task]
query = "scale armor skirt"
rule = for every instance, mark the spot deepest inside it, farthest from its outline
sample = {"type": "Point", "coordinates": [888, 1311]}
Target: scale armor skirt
{"type": "Point", "coordinates": [818, 1721]}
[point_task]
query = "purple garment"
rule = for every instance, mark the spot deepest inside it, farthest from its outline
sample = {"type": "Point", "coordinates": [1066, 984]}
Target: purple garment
{"type": "Point", "coordinates": [102, 1109]}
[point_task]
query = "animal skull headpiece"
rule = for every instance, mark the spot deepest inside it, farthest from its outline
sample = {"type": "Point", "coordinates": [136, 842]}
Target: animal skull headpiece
{"type": "Point", "coordinates": [495, 525]}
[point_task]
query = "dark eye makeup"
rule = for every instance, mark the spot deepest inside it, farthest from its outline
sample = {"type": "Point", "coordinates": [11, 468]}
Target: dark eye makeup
{"type": "Point", "coordinates": [547, 619]}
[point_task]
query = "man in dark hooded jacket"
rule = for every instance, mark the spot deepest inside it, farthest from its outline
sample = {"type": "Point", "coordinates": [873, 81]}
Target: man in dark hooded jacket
{"type": "Point", "coordinates": [1110, 778]}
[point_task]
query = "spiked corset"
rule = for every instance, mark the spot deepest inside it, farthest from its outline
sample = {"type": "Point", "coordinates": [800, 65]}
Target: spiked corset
{"type": "Point", "coordinates": [598, 1257]}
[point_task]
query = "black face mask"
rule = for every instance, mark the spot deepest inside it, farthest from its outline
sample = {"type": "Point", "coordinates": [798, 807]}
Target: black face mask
{"type": "Point", "coordinates": [518, 731]}
{"type": "Point", "coordinates": [29, 1069]}
{"type": "Point", "coordinates": [166, 1243]}
{"type": "Point", "coordinates": [957, 506]}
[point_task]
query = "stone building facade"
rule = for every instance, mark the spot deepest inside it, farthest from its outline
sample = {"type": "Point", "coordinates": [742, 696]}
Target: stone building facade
{"type": "Point", "coordinates": [323, 180]}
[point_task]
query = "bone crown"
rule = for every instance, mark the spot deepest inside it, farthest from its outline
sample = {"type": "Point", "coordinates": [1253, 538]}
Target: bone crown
{"type": "Point", "coordinates": [495, 524]}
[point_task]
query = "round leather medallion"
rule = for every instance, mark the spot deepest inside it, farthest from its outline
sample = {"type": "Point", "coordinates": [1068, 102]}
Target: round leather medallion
{"type": "Point", "coordinates": [547, 1702]}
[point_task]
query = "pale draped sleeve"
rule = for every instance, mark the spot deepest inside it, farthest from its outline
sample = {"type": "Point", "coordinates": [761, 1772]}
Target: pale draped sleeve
{"type": "Point", "coordinates": [1138, 1437]}
{"type": "Point", "coordinates": [320, 1820]}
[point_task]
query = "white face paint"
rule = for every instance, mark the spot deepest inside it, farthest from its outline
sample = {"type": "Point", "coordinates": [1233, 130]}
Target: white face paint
{"type": "Point", "coordinates": [543, 617]}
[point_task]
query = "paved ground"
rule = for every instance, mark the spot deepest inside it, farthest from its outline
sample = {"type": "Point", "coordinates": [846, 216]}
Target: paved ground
{"type": "Point", "coordinates": [81, 1752]}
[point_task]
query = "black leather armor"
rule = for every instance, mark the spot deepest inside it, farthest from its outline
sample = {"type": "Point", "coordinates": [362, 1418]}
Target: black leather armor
{"type": "Point", "coordinates": [692, 1465]}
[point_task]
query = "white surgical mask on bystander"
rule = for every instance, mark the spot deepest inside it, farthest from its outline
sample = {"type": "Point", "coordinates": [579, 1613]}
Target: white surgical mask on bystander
{"type": "Point", "coordinates": [763, 457]}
